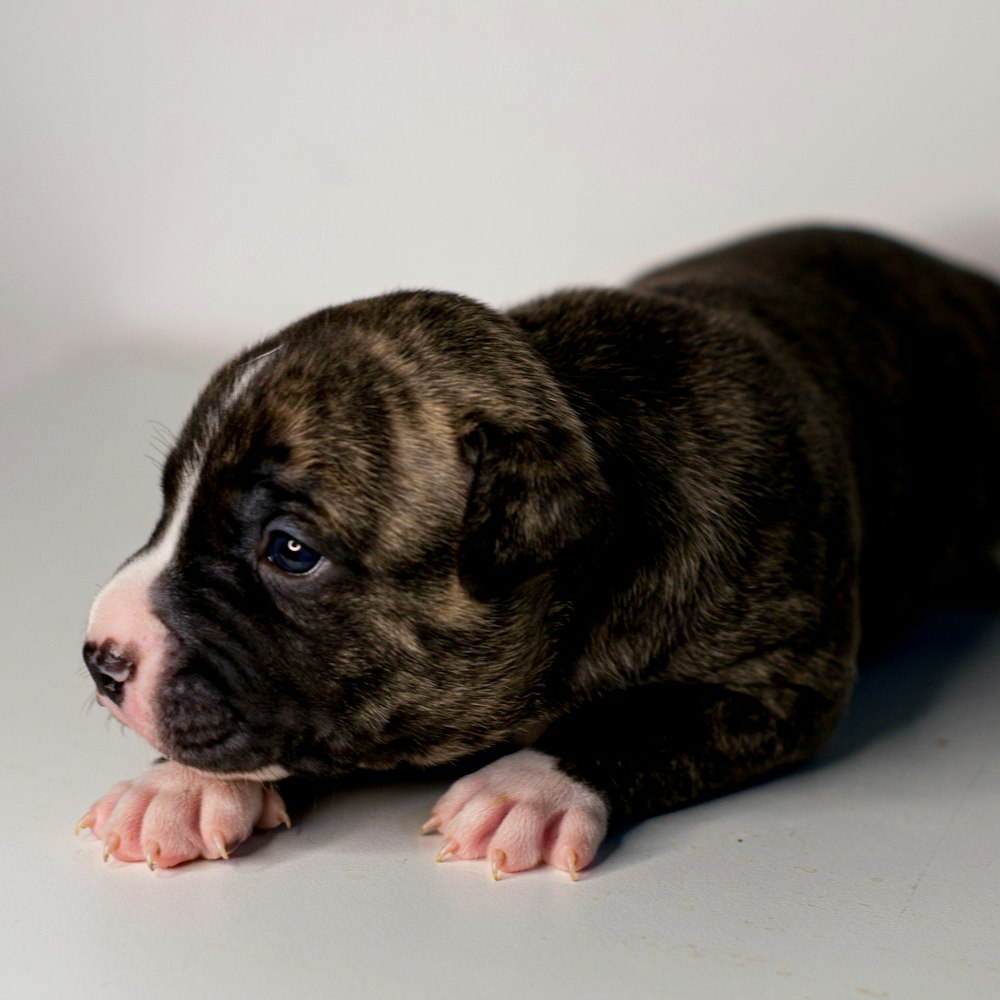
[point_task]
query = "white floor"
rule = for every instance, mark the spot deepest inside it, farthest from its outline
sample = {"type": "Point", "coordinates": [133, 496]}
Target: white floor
{"type": "Point", "coordinates": [873, 873]}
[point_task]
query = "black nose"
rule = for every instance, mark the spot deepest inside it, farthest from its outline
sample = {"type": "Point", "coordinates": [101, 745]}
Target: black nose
{"type": "Point", "coordinates": [111, 666]}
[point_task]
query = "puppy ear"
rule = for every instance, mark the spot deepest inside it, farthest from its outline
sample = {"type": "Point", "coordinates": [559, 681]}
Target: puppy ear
{"type": "Point", "coordinates": [536, 494]}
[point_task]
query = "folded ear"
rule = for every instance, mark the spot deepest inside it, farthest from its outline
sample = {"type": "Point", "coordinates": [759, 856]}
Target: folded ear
{"type": "Point", "coordinates": [537, 493]}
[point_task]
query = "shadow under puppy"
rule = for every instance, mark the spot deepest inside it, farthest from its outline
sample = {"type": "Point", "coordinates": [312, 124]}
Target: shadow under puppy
{"type": "Point", "coordinates": [640, 531]}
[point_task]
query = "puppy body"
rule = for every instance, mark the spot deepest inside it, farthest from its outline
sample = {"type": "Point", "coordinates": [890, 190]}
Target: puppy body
{"type": "Point", "coordinates": [652, 525]}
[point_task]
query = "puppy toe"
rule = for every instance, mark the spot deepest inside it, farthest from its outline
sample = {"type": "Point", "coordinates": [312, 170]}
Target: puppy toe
{"type": "Point", "coordinates": [229, 812]}
{"type": "Point", "coordinates": [273, 811]}
{"type": "Point", "coordinates": [460, 795]}
{"type": "Point", "coordinates": [577, 837]}
{"type": "Point", "coordinates": [519, 841]}
{"type": "Point", "coordinates": [117, 820]}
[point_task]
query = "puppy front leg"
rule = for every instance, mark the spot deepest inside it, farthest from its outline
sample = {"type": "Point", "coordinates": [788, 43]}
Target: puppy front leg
{"type": "Point", "coordinates": [622, 758]}
{"type": "Point", "coordinates": [171, 814]}
{"type": "Point", "coordinates": [658, 747]}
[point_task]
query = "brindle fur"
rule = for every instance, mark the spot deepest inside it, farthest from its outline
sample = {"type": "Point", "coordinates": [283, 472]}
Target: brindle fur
{"type": "Point", "coordinates": [658, 520]}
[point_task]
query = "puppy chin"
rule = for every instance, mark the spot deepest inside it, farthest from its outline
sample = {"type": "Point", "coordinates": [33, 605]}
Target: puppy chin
{"type": "Point", "coordinates": [237, 756]}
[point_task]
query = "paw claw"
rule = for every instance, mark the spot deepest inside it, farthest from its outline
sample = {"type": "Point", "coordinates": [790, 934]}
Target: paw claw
{"type": "Point", "coordinates": [86, 822]}
{"type": "Point", "coordinates": [430, 826]}
{"type": "Point", "coordinates": [446, 852]}
{"type": "Point", "coordinates": [152, 855]}
{"type": "Point", "coordinates": [111, 844]}
{"type": "Point", "coordinates": [220, 845]}
{"type": "Point", "coordinates": [497, 860]}
{"type": "Point", "coordinates": [571, 863]}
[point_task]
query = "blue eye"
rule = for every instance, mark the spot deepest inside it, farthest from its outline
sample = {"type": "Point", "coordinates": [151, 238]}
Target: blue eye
{"type": "Point", "coordinates": [290, 555]}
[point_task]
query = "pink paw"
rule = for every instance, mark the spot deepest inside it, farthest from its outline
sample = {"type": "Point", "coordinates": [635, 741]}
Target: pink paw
{"type": "Point", "coordinates": [518, 812]}
{"type": "Point", "coordinates": [172, 814]}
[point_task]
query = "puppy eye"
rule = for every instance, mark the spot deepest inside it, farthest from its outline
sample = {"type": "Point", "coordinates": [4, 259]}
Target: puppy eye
{"type": "Point", "coordinates": [290, 555]}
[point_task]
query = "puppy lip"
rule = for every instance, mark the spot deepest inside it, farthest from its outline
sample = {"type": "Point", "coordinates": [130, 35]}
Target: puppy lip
{"type": "Point", "coordinates": [136, 722]}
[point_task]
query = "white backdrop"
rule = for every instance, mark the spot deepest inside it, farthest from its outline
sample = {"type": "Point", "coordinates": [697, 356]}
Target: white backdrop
{"type": "Point", "coordinates": [204, 171]}
{"type": "Point", "coordinates": [181, 177]}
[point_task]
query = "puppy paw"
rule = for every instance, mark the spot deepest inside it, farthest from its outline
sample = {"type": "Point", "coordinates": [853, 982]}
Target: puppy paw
{"type": "Point", "coordinates": [172, 814]}
{"type": "Point", "coordinates": [519, 812]}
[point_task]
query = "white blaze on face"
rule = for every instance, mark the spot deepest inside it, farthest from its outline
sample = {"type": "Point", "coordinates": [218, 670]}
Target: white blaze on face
{"type": "Point", "coordinates": [122, 618]}
{"type": "Point", "coordinates": [122, 615]}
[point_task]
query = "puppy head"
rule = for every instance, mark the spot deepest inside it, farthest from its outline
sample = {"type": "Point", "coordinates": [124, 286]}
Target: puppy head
{"type": "Point", "coordinates": [364, 519]}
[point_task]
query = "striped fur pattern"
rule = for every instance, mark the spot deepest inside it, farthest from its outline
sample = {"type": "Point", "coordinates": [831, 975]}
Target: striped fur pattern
{"type": "Point", "coordinates": [652, 526]}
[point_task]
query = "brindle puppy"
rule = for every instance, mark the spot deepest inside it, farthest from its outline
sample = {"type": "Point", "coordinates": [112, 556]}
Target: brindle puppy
{"type": "Point", "coordinates": [648, 526]}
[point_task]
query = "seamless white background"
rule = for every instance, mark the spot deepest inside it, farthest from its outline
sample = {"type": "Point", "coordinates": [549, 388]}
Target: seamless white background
{"type": "Point", "coordinates": [178, 178]}
{"type": "Point", "coordinates": [206, 171]}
